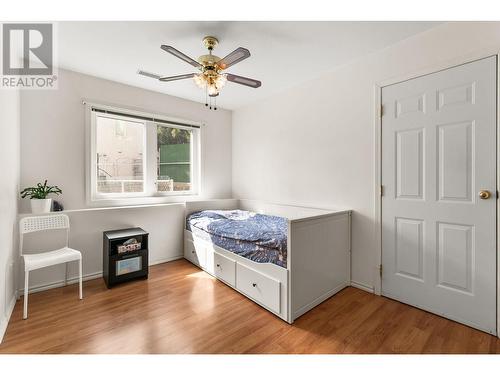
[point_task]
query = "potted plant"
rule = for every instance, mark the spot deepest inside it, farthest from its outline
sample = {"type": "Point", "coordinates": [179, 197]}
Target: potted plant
{"type": "Point", "coordinates": [38, 197]}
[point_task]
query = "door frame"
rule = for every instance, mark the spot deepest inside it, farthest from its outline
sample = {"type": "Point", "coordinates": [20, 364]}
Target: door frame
{"type": "Point", "coordinates": [377, 134]}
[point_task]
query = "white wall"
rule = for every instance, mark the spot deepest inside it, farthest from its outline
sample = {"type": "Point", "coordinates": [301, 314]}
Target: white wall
{"type": "Point", "coordinates": [9, 188]}
{"type": "Point", "coordinates": [164, 223]}
{"type": "Point", "coordinates": [53, 148]}
{"type": "Point", "coordinates": [314, 144]}
{"type": "Point", "coordinates": [53, 133]}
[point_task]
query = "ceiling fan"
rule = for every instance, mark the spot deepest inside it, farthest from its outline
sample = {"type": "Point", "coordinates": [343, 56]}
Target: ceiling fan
{"type": "Point", "coordinates": [211, 77]}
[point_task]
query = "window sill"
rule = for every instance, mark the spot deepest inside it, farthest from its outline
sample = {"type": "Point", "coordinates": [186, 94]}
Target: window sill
{"type": "Point", "coordinates": [142, 201]}
{"type": "Point", "coordinates": [120, 207]}
{"type": "Point", "coordinates": [93, 209]}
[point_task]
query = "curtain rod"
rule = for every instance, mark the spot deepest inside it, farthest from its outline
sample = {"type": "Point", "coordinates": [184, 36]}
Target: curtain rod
{"type": "Point", "coordinates": [153, 119]}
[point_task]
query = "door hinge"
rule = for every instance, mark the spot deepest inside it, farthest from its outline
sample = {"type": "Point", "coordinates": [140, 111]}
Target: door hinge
{"type": "Point", "coordinates": [381, 190]}
{"type": "Point", "coordinates": [380, 270]}
{"type": "Point", "coordinates": [381, 111]}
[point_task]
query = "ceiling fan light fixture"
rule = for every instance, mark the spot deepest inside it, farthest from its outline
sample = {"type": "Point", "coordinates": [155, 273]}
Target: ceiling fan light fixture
{"type": "Point", "coordinates": [209, 76]}
{"type": "Point", "coordinates": [200, 80]}
{"type": "Point", "coordinates": [212, 90]}
{"type": "Point", "coordinates": [220, 81]}
{"type": "Point", "coordinates": [212, 83]}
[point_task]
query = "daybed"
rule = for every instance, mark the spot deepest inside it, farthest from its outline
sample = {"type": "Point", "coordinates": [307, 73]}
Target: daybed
{"type": "Point", "coordinates": [299, 260]}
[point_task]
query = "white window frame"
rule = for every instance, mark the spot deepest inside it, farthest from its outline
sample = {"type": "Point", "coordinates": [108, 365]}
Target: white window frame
{"type": "Point", "coordinates": [93, 162]}
{"type": "Point", "coordinates": [194, 158]}
{"type": "Point", "coordinates": [150, 195]}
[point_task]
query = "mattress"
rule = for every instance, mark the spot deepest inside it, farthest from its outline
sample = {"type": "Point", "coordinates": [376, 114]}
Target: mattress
{"type": "Point", "coordinates": [260, 238]}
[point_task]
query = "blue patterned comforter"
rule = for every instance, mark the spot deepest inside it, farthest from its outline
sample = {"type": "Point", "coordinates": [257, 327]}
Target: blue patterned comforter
{"type": "Point", "coordinates": [261, 238]}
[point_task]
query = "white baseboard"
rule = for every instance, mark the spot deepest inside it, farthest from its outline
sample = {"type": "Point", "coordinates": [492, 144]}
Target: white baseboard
{"type": "Point", "coordinates": [58, 284]}
{"type": "Point", "coordinates": [86, 277]}
{"type": "Point", "coordinates": [5, 319]}
{"type": "Point", "coordinates": [365, 287]}
{"type": "Point", "coordinates": [165, 260]}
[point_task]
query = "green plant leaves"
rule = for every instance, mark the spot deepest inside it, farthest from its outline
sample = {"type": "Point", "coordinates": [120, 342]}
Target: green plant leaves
{"type": "Point", "coordinates": [40, 191]}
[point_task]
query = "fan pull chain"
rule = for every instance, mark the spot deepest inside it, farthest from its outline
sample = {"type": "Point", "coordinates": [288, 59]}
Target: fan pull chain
{"type": "Point", "coordinates": [210, 101]}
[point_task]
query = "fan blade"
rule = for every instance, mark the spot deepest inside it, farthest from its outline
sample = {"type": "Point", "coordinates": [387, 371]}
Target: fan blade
{"type": "Point", "coordinates": [175, 78]}
{"type": "Point", "coordinates": [148, 74]}
{"type": "Point", "coordinates": [243, 80]}
{"type": "Point", "coordinates": [181, 56]}
{"type": "Point", "coordinates": [234, 57]}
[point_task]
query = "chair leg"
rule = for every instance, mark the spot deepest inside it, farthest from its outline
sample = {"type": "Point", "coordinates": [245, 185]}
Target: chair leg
{"type": "Point", "coordinates": [25, 309]}
{"type": "Point", "coordinates": [80, 277]}
{"type": "Point", "coordinates": [66, 275]}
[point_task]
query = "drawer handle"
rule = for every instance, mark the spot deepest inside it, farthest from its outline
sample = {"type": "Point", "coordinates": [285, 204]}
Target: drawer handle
{"type": "Point", "coordinates": [192, 251]}
{"type": "Point", "coordinates": [254, 284]}
{"type": "Point", "coordinates": [218, 265]}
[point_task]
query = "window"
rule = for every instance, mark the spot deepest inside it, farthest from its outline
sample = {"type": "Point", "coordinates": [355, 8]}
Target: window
{"type": "Point", "coordinates": [139, 155]}
{"type": "Point", "coordinates": [120, 147]}
{"type": "Point", "coordinates": [174, 159]}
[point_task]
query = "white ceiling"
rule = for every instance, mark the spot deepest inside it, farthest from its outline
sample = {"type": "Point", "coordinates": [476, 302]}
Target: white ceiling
{"type": "Point", "coordinates": [283, 53]}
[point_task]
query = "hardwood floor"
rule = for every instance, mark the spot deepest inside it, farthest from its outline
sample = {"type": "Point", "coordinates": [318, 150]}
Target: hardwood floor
{"type": "Point", "coordinates": [181, 309]}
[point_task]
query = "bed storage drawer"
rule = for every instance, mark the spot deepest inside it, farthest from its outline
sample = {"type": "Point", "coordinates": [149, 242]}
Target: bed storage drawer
{"type": "Point", "coordinates": [258, 286]}
{"type": "Point", "coordinates": [195, 252]}
{"type": "Point", "coordinates": [225, 269]}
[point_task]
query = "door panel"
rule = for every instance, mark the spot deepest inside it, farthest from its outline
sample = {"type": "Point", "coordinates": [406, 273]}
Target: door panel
{"type": "Point", "coordinates": [438, 152]}
{"type": "Point", "coordinates": [409, 248]}
{"type": "Point", "coordinates": [409, 164]}
{"type": "Point", "coordinates": [462, 94]}
{"type": "Point", "coordinates": [410, 105]}
{"type": "Point", "coordinates": [455, 174]}
{"type": "Point", "coordinates": [455, 254]}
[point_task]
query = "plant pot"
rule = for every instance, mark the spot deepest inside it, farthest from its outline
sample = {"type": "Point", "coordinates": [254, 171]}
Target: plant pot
{"type": "Point", "coordinates": [41, 206]}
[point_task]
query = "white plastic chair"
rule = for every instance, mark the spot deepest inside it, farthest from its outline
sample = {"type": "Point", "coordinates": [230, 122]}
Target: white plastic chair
{"type": "Point", "coordinates": [48, 258]}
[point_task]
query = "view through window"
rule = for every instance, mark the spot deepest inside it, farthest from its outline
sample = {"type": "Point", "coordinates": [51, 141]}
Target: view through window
{"type": "Point", "coordinates": [120, 155]}
{"type": "Point", "coordinates": [174, 159]}
{"type": "Point", "coordinates": [137, 155]}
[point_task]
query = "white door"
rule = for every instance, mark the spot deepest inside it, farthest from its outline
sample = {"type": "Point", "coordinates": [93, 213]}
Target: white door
{"type": "Point", "coordinates": [438, 166]}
